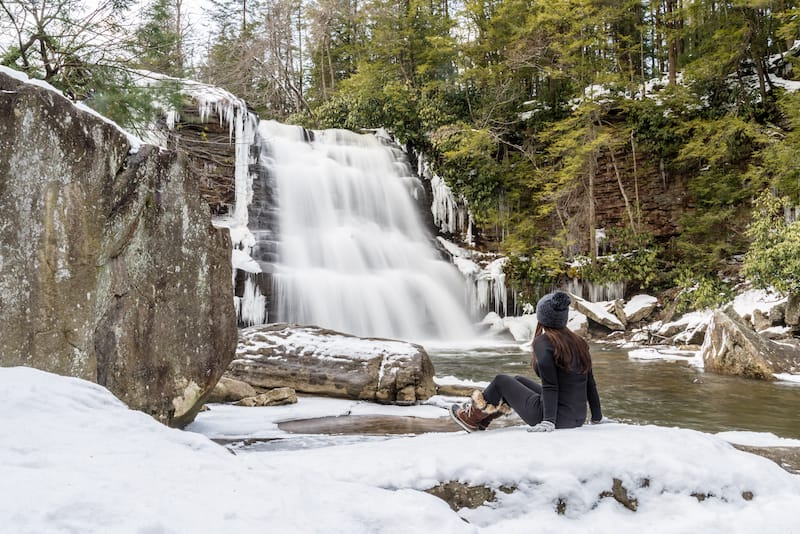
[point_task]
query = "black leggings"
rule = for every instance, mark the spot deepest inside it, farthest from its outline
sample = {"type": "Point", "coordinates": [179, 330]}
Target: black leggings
{"type": "Point", "coordinates": [519, 392]}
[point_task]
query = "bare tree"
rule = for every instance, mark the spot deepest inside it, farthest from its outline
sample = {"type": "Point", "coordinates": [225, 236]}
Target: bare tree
{"type": "Point", "coordinates": [64, 42]}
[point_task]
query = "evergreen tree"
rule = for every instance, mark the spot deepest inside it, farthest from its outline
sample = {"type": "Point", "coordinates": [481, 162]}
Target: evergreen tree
{"type": "Point", "coordinates": [159, 39]}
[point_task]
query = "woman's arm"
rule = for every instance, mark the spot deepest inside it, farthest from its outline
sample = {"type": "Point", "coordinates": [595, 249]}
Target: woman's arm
{"type": "Point", "coordinates": [594, 399]}
{"type": "Point", "coordinates": [546, 369]}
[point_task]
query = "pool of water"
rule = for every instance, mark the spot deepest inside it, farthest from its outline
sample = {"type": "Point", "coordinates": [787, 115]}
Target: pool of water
{"type": "Point", "coordinates": [652, 392]}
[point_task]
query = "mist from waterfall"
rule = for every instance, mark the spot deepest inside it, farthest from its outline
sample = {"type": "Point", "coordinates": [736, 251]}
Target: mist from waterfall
{"type": "Point", "coordinates": [352, 252]}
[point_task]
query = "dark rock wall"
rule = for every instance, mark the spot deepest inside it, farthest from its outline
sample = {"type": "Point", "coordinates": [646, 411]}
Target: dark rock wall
{"type": "Point", "coordinates": [109, 267]}
{"type": "Point", "coordinates": [663, 199]}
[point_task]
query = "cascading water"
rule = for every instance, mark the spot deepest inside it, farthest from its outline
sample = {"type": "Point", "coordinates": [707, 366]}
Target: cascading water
{"type": "Point", "coordinates": [351, 251]}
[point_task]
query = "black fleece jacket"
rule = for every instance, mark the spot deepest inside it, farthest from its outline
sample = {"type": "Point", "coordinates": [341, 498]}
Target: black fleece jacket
{"type": "Point", "coordinates": [564, 392]}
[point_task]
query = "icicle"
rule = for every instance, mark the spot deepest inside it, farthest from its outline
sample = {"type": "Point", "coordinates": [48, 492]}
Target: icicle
{"type": "Point", "coordinates": [253, 305]}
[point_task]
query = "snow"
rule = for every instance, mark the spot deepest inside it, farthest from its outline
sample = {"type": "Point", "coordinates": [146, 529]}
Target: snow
{"type": "Point", "coordinates": [330, 345]}
{"type": "Point", "coordinates": [687, 322]}
{"type": "Point", "coordinates": [521, 327]}
{"type": "Point", "coordinates": [787, 377]}
{"type": "Point", "coordinates": [638, 303]}
{"type": "Point", "coordinates": [757, 439]}
{"type": "Point", "coordinates": [664, 353]}
{"type": "Point", "coordinates": [134, 142]}
{"type": "Point", "coordinates": [74, 459]}
{"type": "Point", "coordinates": [751, 300]}
{"type": "Point", "coordinates": [600, 310]}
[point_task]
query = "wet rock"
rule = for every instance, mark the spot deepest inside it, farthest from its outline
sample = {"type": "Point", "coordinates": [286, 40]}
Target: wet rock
{"type": "Point", "coordinates": [732, 347]}
{"type": "Point", "coordinates": [110, 269]}
{"type": "Point", "coordinates": [620, 494]}
{"type": "Point", "coordinates": [454, 390]}
{"type": "Point", "coordinates": [459, 495]}
{"type": "Point", "coordinates": [231, 390]}
{"type": "Point", "coordinates": [786, 457]}
{"type": "Point", "coordinates": [761, 320]}
{"type": "Point", "coordinates": [693, 335]}
{"type": "Point", "coordinates": [372, 425]}
{"type": "Point", "coordinates": [273, 397]}
{"type": "Point", "coordinates": [792, 313]}
{"type": "Point", "coordinates": [323, 362]}
{"type": "Point", "coordinates": [617, 308]}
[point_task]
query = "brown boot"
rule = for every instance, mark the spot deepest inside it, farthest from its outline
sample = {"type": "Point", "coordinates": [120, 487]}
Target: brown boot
{"type": "Point", "coordinates": [476, 414]}
{"type": "Point", "coordinates": [502, 409]}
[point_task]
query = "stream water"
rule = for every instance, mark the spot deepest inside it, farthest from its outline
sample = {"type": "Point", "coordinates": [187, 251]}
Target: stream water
{"type": "Point", "coordinates": [652, 392]}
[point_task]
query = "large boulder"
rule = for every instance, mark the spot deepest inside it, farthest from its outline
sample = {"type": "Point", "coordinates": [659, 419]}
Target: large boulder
{"type": "Point", "coordinates": [230, 390]}
{"type": "Point", "coordinates": [323, 362]}
{"type": "Point", "coordinates": [110, 269]}
{"type": "Point", "coordinates": [732, 347]}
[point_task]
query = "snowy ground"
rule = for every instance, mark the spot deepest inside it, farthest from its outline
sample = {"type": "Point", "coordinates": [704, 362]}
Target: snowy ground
{"type": "Point", "coordinates": [74, 459]}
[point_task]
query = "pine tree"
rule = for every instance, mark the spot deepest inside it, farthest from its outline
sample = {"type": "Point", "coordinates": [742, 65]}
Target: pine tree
{"type": "Point", "coordinates": [158, 44]}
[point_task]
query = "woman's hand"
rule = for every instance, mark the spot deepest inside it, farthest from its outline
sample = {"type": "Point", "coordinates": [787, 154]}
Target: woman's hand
{"type": "Point", "coordinates": [604, 420]}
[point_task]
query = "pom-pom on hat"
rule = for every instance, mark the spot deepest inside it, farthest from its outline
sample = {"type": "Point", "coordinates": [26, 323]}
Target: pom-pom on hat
{"type": "Point", "coordinates": [552, 310]}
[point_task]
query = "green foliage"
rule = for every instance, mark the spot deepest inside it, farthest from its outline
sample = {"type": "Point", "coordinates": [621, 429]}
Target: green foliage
{"type": "Point", "coordinates": [778, 159]}
{"type": "Point", "coordinates": [157, 44]}
{"type": "Point", "coordinates": [700, 292]}
{"type": "Point", "coordinates": [716, 155]}
{"type": "Point", "coordinates": [469, 165]}
{"type": "Point", "coordinates": [774, 255]}
{"type": "Point", "coordinates": [633, 257]}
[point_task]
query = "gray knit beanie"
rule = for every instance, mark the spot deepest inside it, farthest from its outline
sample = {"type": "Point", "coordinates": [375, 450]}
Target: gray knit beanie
{"type": "Point", "coordinates": [552, 310]}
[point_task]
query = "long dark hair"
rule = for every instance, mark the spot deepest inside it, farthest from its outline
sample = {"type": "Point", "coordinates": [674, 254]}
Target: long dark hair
{"type": "Point", "coordinates": [570, 351]}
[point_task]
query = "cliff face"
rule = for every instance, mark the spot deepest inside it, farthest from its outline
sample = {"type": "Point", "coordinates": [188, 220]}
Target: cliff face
{"type": "Point", "coordinates": [110, 269]}
{"type": "Point", "coordinates": [662, 198]}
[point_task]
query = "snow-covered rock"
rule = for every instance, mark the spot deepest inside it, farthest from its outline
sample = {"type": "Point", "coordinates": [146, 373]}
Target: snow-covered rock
{"type": "Point", "coordinates": [759, 306]}
{"type": "Point", "coordinates": [578, 323]}
{"type": "Point", "coordinates": [597, 312]}
{"type": "Point", "coordinates": [639, 307]}
{"type": "Point", "coordinates": [323, 362]}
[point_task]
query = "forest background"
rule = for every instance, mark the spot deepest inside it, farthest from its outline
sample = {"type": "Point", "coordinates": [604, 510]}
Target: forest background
{"type": "Point", "coordinates": [517, 104]}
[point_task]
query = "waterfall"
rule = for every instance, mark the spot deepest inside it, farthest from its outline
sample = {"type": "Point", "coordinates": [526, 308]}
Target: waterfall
{"type": "Point", "coordinates": [350, 250]}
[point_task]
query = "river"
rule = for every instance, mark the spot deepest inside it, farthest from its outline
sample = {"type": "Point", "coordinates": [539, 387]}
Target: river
{"type": "Point", "coordinates": [668, 393]}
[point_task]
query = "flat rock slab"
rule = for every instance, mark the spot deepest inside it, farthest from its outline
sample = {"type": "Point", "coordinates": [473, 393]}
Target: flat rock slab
{"type": "Point", "coordinates": [380, 425]}
{"type": "Point", "coordinates": [786, 457]}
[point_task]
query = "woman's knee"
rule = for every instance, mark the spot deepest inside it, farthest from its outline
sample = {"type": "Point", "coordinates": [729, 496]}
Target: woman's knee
{"type": "Point", "coordinates": [503, 379]}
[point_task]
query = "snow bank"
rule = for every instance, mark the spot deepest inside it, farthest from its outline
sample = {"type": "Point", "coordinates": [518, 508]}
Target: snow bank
{"type": "Point", "coordinates": [757, 439]}
{"type": "Point", "coordinates": [74, 459]}
{"type": "Point", "coordinates": [756, 299]}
